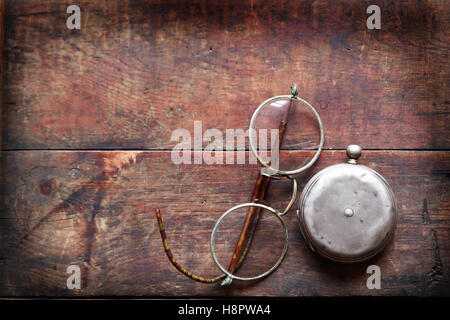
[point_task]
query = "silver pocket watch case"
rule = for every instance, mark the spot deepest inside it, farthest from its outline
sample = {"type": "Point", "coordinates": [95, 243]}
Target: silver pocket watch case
{"type": "Point", "coordinates": [347, 211]}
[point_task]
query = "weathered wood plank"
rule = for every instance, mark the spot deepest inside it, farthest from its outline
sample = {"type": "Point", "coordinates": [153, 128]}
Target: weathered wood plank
{"type": "Point", "coordinates": [137, 70]}
{"type": "Point", "coordinates": [95, 209]}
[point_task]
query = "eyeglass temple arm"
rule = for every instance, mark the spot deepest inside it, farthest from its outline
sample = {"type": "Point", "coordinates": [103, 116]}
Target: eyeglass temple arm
{"type": "Point", "coordinates": [169, 254]}
{"type": "Point", "coordinates": [250, 223]}
{"type": "Point", "coordinates": [180, 268]}
{"type": "Point", "coordinates": [259, 193]}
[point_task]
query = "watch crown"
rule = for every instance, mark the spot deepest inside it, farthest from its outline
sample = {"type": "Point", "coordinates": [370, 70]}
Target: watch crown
{"type": "Point", "coordinates": [353, 153]}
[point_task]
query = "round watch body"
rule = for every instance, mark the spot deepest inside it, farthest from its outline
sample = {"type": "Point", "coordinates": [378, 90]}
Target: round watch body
{"type": "Point", "coordinates": [347, 211]}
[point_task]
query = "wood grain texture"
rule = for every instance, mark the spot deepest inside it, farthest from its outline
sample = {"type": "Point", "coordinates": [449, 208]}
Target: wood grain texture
{"type": "Point", "coordinates": [139, 69]}
{"type": "Point", "coordinates": [95, 209]}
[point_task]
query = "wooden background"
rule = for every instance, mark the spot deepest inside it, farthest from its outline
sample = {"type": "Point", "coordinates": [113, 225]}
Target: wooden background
{"type": "Point", "coordinates": [87, 117]}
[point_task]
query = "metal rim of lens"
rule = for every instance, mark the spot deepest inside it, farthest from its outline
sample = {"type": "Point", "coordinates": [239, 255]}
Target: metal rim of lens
{"type": "Point", "coordinates": [280, 259]}
{"type": "Point", "coordinates": [252, 147]}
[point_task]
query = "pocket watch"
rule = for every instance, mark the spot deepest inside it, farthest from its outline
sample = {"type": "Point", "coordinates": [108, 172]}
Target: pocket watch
{"type": "Point", "coordinates": [347, 211]}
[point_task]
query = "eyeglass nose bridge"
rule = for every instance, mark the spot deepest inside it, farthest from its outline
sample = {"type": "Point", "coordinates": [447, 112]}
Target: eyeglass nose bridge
{"type": "Point", "coordinates": [293, 196]}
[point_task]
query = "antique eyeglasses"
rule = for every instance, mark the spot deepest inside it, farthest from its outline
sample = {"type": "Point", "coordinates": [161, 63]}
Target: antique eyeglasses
{"type": "Point", "coordinates": [250, 240]}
